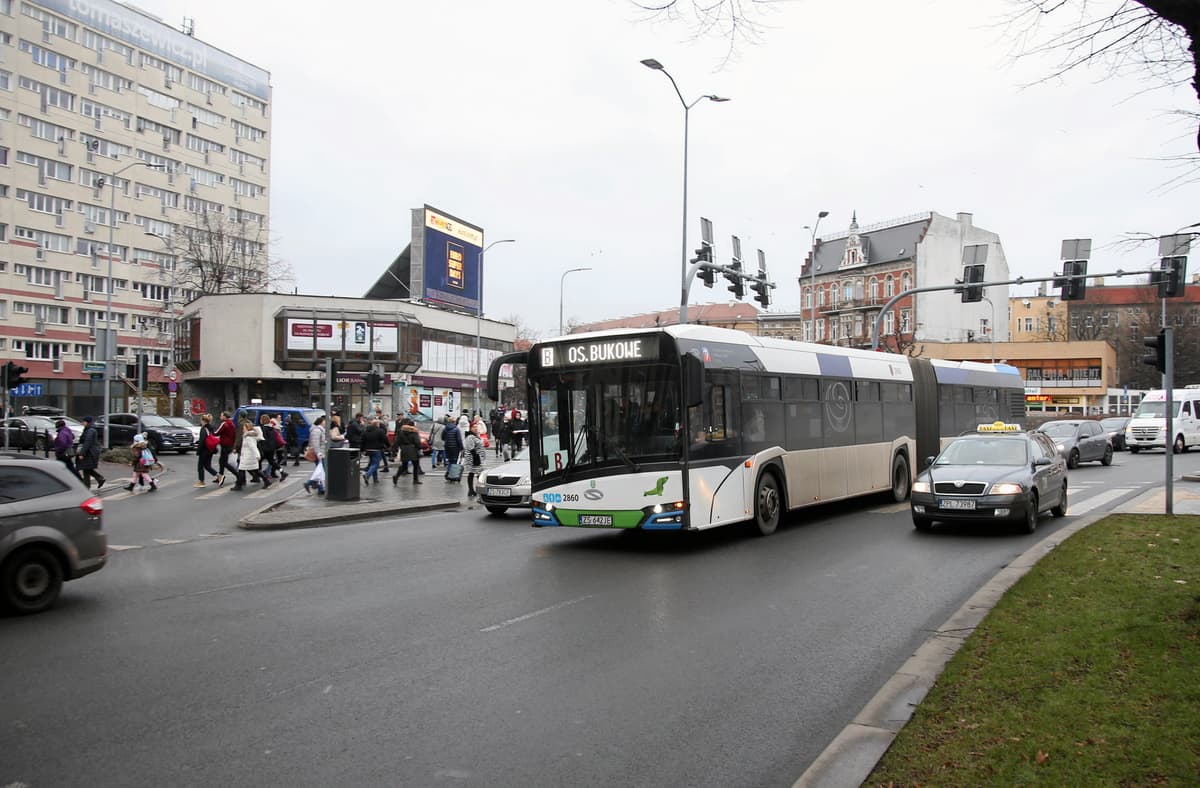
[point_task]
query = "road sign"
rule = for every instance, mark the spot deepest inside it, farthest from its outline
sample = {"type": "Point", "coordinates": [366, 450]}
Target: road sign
{"type": "Point", "coordinates": [93, 367]}
{"type": "Point", "coordinates": [172, 374]}
{"type": "Point", "coordinates": [172, 387]}
{"type": "Point", "coordinates": [27, 390]}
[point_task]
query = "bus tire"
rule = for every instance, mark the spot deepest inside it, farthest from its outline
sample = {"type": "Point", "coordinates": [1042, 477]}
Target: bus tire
{"type": "Point", "coordinates": [768, 504]}
{"type": "Point", "coordinates": [901, 479]}
{"type": "Point", "coordinates": [1134, 449]}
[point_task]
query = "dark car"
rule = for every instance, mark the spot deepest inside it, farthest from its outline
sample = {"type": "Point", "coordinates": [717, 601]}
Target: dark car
{"type": "Point", "coordinates": [50, 531]}
{"type": "Point", "coordinates": [1079, 440]}
{"type": "Point", "coordinates": [163, 435]}
{"type": "Point", "coordinates": [29, 432]}
{"type": "Point", "coordinates": [1115, 427]}
{"type": "Point", "coordinates": [997, 475]}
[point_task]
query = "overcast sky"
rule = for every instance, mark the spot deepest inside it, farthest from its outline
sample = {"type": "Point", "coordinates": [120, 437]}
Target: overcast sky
{"type": "Point", "coordinates": [536, 121]}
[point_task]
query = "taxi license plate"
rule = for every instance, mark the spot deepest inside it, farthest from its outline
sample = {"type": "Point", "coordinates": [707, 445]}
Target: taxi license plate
{"type": "Point", "coordinates": [499, 492]}
{"type": "Point", "coordinates": [955, 503]}
{"type": "Point", "coordinates": [595, 519]}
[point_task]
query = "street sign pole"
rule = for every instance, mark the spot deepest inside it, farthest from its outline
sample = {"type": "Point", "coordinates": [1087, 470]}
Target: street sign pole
{"type": "Point", "coordinates": [1168, 388]}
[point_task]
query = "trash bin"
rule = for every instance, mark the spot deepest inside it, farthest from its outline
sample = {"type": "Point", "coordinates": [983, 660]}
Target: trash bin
{"type": "Point", "coordinates": [341, 475]}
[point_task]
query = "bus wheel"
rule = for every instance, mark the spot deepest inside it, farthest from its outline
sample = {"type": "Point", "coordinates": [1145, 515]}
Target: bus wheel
{"type": "Point", "coordinates": [901, 481]}
{"type": "Point", "coordinates": [767, 505]}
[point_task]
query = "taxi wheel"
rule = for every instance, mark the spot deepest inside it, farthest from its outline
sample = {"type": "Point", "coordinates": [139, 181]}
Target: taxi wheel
{"type": "Point", "coordinates": [1073, 459]}
{"type": "Point", "coordinates": [1031, 514]}
{"type": "Point", "coordinates": [1061, 509]}
{"type": "Point", "coordinates": [1107, 458]}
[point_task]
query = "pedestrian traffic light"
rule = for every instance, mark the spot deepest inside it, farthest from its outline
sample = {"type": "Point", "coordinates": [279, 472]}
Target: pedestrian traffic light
{"type": "Point", "coordinates": [972, 291]}
{"type": "Point", "coordinates": [762, 290]}
{"type": "Point", "coordinates": [12, 375]}
{"type": "Point", "coordinates": [737, 286]}
{"type": "Point", "coordinates": [1171, 277]}
{"type": "Point", "coordinates": [1074, 280]}
{"type": "Point", "coordinates": [1157, 357]}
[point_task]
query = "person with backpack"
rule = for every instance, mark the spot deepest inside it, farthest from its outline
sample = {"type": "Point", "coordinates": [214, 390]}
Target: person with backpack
{"type": "Point", "coordinates": [452, 438]}
{"type": "Point", "coordinates": [142, 459]}
{"type": "Point", "coordinates": [89, 454]}
{"type": "Point", "coordinates": [268, 448]}
{"type": "Point", "coordinates": [473, 449]}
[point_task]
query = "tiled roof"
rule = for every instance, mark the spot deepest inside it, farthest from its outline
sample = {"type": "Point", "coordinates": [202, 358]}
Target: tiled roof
{"type": "Point", "coordinates": [697, 314]}
{"type": "Point", "coordinates": [1130, 295]}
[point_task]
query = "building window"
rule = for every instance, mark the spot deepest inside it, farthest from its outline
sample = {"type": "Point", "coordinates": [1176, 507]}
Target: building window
{"type": "Point", "coordinates": [808, 298]}
{"type": "Point", "coordinates": [905, 321]}
{"type": "Point", "coordinates": [889, 322]}
{"type": "Point", "coordinates": [874, 288]}
{"type": "Point", "coordinates": [889, 287]}
{"type": "Point", "coordinates": [906, 282]}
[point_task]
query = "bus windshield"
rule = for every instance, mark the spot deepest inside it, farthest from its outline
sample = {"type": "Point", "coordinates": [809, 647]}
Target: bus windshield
{"type": "Point", "coordinates": [1156, 410]}
{"type": "Point", "coordinates": [604, 416]}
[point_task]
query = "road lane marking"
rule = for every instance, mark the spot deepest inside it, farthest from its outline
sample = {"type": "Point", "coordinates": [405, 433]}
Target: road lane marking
{"type": "Point", "coordinates": [171, 541]}
{"type": "Point", "coordinates": [236, 586]}
{"type": "Point", "coordinates": [535, 614]}
{"type": "Point", "coordinates": [1097, 500]}
{"type": "Point", "coordinates": [119, 547]}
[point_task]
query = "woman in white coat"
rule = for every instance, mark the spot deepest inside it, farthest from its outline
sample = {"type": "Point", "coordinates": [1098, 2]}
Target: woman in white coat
{"type": "Point", "coordinates": [250, 457]}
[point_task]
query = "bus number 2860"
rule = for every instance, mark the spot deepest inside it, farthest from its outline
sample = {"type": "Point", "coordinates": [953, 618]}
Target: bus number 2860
{"type": "Point", "coordinates": [559, 497]}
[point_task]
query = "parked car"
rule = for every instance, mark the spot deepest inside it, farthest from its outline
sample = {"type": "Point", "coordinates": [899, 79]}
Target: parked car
{"type": "Point", "coordinates": [1079, 440]}
{"type": "Point", "coordinates": [34, 433]}
{"type": "Point", "coordinates": [423, 428]}
{"type": "Point", "coordinates": [74, 425]}
{"type": "Point", "coordinates": [992, 476]}
{"type": "Point", "coordinates": [163, 435]}
{"type": "Point", "coordinates": [1115, 427]}
{"type": "Point", "coordinates": [180, 421]}
{"type": "Point", "coordinates": [507, 486]}
{"type": "Point", "coordinates": [51, 530]}
{"type": "Point", "coordinates": [284, 413]}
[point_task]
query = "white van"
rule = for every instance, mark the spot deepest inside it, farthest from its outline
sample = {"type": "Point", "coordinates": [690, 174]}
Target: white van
{"type": "Point", "coordinates": [1148, 427]}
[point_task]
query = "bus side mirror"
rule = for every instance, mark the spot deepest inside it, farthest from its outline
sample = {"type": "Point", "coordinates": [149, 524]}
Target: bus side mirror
{"type": "Point", "coordinates": [693, 381]}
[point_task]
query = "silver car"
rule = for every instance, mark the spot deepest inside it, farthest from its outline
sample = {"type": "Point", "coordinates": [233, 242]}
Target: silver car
{"type": "Point", "coordinates": [1081, 440]}
{"type": "Point", "coordinates": [507, 486]}
{"type": "Point", "coordinates": [51, 530]}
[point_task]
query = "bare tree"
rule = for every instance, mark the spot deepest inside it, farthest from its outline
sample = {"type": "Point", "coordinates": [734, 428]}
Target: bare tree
{"type": "Point", "coordinates": [738, 21]}
{"type": "Point", "coordinates": [524, 331]}
{"type": "Point", "coordinates": [217, 255]}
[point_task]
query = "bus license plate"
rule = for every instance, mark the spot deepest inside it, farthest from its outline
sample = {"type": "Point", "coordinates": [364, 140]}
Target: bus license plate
{"type": "Point", "coordinates": [955, 503]}
{"type": "Point", "coordinates": [595, 519]}
{"type": "Point", "coordinates": [499, 492]}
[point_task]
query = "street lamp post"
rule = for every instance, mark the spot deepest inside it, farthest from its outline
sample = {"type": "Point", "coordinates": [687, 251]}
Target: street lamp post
{"type": "Point", "coordinates": [812, 272]}
{"type": "Point", "coordinates": [171, 322]}
{"type": "Point", "coordinates": [651, 63]}
{"type": "Point", "coordinates": [479, 314]}
{"type": "Point", "coordinates": [110, 344]}
{"type": "Point", "coordinates": [562, 279]}
{"type": "Point", "coordinates": [992, 328]}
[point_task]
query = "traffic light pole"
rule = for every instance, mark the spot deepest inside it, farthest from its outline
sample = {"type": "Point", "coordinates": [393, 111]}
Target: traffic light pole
{"type": "Point", "coordinates": [1020, 280]}
{"type": "Point", "coordinates": [1169, 442]}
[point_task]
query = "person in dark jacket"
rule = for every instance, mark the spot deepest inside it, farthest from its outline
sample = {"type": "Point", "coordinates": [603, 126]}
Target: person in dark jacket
{"type": "Point", "coordinates": [373, 443]}
{"type": "Point", "coordinates": [268, 449]}
{"type": "Point", "coordinates": [408, 438]}
{"type": "Point", "coordinates": [354, 432]}
{"type": "Point", "coordinates": [204, 455]}
{"type": "Point", "coordinates": [64, 446]}
{"type": "Point", "coordinates": [227, 433]}
{"type": "Point", "coordinates": [291, 434]}
{"type": "Point", "coordinates": [453, 439]}
{"type": "Point", "coordinates": [89, 454]}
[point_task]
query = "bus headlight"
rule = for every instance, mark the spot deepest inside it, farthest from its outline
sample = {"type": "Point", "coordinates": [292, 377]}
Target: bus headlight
{"type": "Point", "coordinates": [921, 487]}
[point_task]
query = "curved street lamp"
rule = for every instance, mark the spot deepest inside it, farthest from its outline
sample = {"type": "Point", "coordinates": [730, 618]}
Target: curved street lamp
{"type": "Point", "coordinates": [653, 64]}
{"type": "Point", "coordinates": [479, 313]}
{"type": "Point", "coordinates": [812, 272]}
{"type": "Point", "coordinates": [561, 280]}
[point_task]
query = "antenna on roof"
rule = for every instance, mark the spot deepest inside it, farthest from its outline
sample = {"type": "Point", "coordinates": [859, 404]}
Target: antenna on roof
{"type": "Point", "coordinates": [189, 26]}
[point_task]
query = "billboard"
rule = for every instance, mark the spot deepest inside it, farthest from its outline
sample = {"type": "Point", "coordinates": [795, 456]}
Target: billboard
{"type": "Point", "coordinates": [355, 336]}
{"type": "Point", "coordinates": [445, 255]}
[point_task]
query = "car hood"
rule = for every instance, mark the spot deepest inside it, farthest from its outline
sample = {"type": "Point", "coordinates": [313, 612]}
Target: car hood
{"type": "Point", "coordinates": [513, 468]}
{"type": "Point", "coordinates": [975, 473]}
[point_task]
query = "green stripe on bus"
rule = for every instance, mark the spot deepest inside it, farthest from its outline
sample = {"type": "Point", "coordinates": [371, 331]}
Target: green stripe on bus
{"type": "Point", "coordinates": [620, 519]}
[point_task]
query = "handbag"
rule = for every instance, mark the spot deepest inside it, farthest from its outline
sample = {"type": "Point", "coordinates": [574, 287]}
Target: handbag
{"type": "Point", "coordinates": [211, 442]}
{"type": "Point", "coordinates": [310, 455]}
{"type": "Point", "coordinates": [147, 457]}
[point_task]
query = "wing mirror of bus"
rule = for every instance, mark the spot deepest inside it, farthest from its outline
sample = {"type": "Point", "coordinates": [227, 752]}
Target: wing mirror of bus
{"type": "Point", "coordinates": [693, 381]}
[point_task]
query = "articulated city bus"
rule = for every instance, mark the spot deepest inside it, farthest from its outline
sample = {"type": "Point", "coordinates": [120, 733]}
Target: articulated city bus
{"type": "Point", "coordinates": [692, 427]}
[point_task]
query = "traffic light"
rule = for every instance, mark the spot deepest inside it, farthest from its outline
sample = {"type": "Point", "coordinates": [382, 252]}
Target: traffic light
{"type": "Point", "coordinates": [372, 380]}
{"type": "Point", "coordinates": [707, 275]}
{"type": "Point", "coordinates": [972, 291]}
{"type": "Point", "coordinates": [1157, 357]}
{"type": "Point", "coordinates": [12, 375]}
{"type": "Point", "coordinates": [143, 370]}
{"type": "Point", "coordinates": [1074, 282]}
{"type": "Point", "coordinates": [762, 291]}
{"type": "Point", "coordinates": [1171, 277]}
{"type": "Point", "coordinates": [737, 286]}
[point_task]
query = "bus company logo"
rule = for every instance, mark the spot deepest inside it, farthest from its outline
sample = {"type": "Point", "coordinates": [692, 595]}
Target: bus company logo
{"type": "Point", "coordinates": [837, 406]}
{"type": "Point", "coordinates": [592, 494]}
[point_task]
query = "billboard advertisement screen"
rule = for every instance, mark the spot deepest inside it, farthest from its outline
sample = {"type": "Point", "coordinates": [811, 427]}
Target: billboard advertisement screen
{"type": "Point", "coordinates": [451, 251]}
{"type": "Point", "coordinates": [335, 335]}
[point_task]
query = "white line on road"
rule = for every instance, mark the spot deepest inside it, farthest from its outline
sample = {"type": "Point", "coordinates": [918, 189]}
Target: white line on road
{"type": "Point", "coordinates": [268, 581]}
{"type": "Point", "coordinates": [171, 541]}
{"type": "Point", "coordinates": [125, 547]}
{"type": "Point", "coordinates": [534, 614]}
{"type": "Point", "coordinates": [1097, 500]}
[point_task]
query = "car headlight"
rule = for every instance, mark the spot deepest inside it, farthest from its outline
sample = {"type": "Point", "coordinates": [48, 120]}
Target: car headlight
{"type": "Point", "coordinates": [523, 481]}
{"type": "Point", "coordinates": [1006, 488]}
{"type": "Point", "coordinates": [1058, 446]}
{"type": "Point", "coordinates": [921, 487]}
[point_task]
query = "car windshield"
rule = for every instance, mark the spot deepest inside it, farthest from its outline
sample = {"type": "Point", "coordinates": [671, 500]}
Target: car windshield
{"type": "Point", "coordinates": [1059, 429]}
{"type": "Point", "coordinates": [71, 422]}
{"type": "Point", "coordinates": [155, 421]}
{"type": "Point", "coordinates": [1156, 410]}
{"type": "Point", "coordinates": [180, 421]}
{"type": "Point", "coordinates": [984, 452]}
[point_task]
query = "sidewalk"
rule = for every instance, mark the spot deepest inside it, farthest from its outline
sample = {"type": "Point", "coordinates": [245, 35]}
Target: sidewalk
{"type": "Point", "coordinates": [302, 510]}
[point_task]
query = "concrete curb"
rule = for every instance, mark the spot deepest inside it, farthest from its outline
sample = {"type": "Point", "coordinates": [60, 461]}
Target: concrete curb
{"type": "Point", "coordinates": [853, 753]}
{"type": "Point", "coordinates": [267, 518]}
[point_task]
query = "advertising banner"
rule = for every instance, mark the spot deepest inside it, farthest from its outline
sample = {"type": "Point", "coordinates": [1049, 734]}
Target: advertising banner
{"type": "Point", "coordinates": [429, 404]}
{"type": "Point", "coordinates": [451, 250]}
{"type": "Point", "coordinates": [357, 336]}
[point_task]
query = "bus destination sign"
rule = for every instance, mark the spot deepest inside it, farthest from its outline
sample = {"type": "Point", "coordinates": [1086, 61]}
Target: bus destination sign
{"type": "Point", "coordinates": [600, 352]}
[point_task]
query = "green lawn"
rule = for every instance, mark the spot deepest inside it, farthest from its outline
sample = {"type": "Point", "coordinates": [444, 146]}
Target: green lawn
{"type": "Point", "coordinates": [1086, 673]}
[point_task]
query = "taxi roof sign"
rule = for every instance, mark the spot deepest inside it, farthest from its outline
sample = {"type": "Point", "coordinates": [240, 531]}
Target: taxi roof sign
{"type": "Point", "coordinates": [998, 426]}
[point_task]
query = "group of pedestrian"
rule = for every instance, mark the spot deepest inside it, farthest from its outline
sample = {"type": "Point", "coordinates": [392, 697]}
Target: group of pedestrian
{"type": "Point", "coordinates": [83, 461]}
{"type": "Point", "coordinates": [257, 451]}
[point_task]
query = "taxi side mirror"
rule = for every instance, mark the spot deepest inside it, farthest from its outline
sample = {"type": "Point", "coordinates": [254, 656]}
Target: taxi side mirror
{"type": "Point", "coordinates": [1041, 462]}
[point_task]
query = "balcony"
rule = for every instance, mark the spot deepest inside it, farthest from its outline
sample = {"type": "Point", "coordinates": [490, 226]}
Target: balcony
{"type": "Point", "coordinates": [852, 305]}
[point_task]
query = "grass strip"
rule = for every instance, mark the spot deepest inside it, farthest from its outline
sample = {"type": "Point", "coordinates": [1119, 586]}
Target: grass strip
{"type": "Point", "coordinates": [1086, 673]}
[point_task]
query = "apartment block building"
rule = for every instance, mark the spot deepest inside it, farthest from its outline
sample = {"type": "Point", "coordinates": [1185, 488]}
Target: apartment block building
{"type": "Point", "coordinates": [122, 140]}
